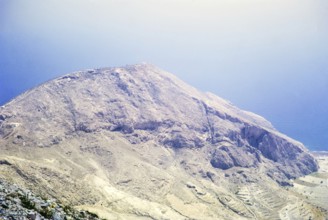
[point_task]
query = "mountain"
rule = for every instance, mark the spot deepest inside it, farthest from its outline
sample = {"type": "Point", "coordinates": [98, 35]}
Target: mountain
{"type": "Point", "coordinates": [136, 142]}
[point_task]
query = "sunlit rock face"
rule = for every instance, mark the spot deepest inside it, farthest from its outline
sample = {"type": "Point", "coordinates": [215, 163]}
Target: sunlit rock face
{"type": "Point", "coordinates": [145, 103]}
{"type": "Point", "coordinates": [104, 123]}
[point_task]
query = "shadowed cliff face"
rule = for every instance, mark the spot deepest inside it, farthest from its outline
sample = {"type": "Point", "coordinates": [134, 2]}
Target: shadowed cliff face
{"type": "Point", "coordinates": [140, 105]}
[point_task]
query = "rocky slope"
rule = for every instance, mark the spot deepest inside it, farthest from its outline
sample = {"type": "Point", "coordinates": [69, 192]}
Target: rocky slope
{"type": "Point", "coordinates": [138, 142]}
{"type": "Point", "coordinates": [19, 203]}
{"type": "Point", "coordinates": [314, 187]}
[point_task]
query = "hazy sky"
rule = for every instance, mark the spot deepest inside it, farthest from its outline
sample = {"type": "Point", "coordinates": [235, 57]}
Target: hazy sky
{"type": "Point", "coordinates": [266, 56]}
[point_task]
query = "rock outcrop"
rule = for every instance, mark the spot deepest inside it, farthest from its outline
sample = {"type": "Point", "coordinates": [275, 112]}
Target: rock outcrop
{"type": "Point", "coordinates": [19, 203]}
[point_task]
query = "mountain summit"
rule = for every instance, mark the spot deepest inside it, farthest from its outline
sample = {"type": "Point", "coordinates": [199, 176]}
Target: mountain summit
{"type": "Point", "coordinates": [137, 142]}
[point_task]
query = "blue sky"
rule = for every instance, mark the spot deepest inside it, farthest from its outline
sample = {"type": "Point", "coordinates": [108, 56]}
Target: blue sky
{"type": "Point", "coordinates": [269, 57]}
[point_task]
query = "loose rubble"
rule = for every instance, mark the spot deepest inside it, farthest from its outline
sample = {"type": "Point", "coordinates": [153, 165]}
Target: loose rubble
{"type": "Point", "coordinates": [18, 203]}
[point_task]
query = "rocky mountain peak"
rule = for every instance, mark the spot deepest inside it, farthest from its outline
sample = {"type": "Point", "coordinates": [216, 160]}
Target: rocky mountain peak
{"type": "Point", "coordinates": [109, 131]}
{"type": "Point", "coordinates": [148, 104]}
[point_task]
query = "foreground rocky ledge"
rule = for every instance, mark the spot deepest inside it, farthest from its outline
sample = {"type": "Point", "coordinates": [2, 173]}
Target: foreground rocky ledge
{"type": "Point", "coordinates": [19, 203]}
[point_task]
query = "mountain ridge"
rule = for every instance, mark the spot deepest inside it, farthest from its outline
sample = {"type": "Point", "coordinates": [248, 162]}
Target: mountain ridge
{"type": "Point", "coordinates": [224, 111]}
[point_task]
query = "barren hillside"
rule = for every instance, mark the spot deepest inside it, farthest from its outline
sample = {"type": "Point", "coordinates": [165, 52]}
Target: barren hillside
{"type": "Point", "coordinates": [135, 142]}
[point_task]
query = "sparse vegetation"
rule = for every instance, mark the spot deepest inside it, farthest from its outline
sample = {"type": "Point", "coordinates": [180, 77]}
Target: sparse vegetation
{"type": "Point", "coordinates": [46, 212]}
{"type": "Point", "coordinates": [26, 202]}
{"type": "Point", "coordinates": [92, 215]}
{"type": "Point", "coordinates": [68, 209]}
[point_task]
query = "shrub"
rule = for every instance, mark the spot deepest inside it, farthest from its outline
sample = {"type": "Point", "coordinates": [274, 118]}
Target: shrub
{"type": "Point", "coordinates": [26, 202]}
